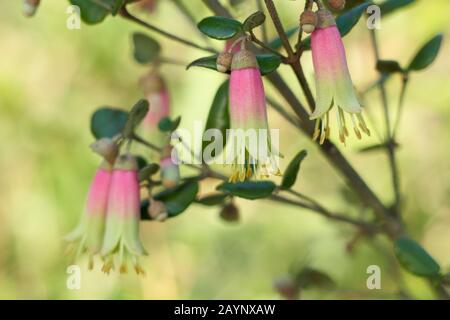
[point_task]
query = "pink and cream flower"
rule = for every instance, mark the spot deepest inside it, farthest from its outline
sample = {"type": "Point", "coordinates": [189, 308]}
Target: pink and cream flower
{"type": "Point", "coordinates": [249, 146]}
{"type": "Point", "coordinates": [156, 92]}
{"type": "Point", "coordinates": [89, 232]}
{"type": "Point", "coordinates": [333, 81]}
{"type": "Point", "coordinates": [121, 237]}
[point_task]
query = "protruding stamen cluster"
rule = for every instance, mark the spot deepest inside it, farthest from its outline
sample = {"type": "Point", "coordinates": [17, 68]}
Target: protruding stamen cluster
{"type": "Point", "coordinates": [322, 128]}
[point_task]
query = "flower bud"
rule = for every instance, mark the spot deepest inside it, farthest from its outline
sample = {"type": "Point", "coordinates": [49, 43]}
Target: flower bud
{"type": "Point", "coordinates": [170, 172]}
{"type": "Point", "coordinates": [157, 210]}
{"type": "Point", "coordinates": [106, 148]}
{"type": "Point", "coordinates": [224, 62]}
{"type": "Point", "coordinates": [308, 21]}
{"type": "Point", "coordinates": [30, 7]}
{"type": "Point", "coordinates": [336, 4]}
{"type": "Point", "coordinates": [230, 213]}
{"type": "Point", "coordinates": [287, 288]}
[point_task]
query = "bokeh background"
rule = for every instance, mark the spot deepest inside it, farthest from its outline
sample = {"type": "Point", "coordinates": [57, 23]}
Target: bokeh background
{"type": "Point", "coordinates": [51, 81]}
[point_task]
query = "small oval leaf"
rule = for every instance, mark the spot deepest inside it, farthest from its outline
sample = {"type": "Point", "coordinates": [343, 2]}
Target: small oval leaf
{"type": "Point", "coordinates": [108, 122]}
{"type": "Point", "coordinates": [414, 258]}
{"type": "Point", "coordinates": [219, 117]}
{"type": "Point", "coordinates": [90, 12]}
{"type": "Point", "coordinates": [267, 63]}
{"type": "Point", "coordinates": [213, 199]}
{"type": "Point", "coordinates": [290, 176]}
{"type": "Point", "coordinates": [179, 199]}
{"type": "Point", "coordinates": [254, 20]}
{"type": "Point", "coordinates": [427, 54]}
{"type": "Point", "coordinates": [388, 66]}
{"type": "Point", "coordinates": [135, 117]}
{"type": "Point", "coordinates": [220, 28]}
{"type": "Point", "coordinates": [248, 189]}
{"type": "Point", "coordinates": [146, 49]}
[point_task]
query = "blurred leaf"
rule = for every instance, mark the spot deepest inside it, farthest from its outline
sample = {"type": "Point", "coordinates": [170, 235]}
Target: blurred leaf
{"type": "Point", "coordinates": [344, 22]}
{"type": "Point", "coordinates": [414, 258]}
{"type": "Point", "coordinates": [135, 117]}
{"type": "Point", "coordinates": [146, 49]}
{"type": "Point", "coordinates": [147, 171]}
{"type": "Point", "coordinates": [248, 189]}
{"type": "Point", "coordinates": [312, 278]}
{"type": "Point", "coordinates": [141, 162]}
{"type": "Point", "coordinates": [254, 20]}
{"type": "Point", "coordinates": [95, 11]}
{"type": "Point", "coordinates": [168, 125]}
{"type": "Point", "coordinates": [277, 44]}
{"type": "Point", "coordinates": [267, 63]}
{"type": "Point", "coordinates": [177, 200]}
{"type": "Point", "coordinates": [379, 146]}
{"type": "Point", "coordinates": [292, 170]}
{"type": "Point", "coordinates": [213, 199]}
{"type": "Point", "coordinates": [389, 6]}
{"type": "Point", "coordinates": [107, 122]}
{"type": "Point", "coordinates": [388, 66]}
{"type": "Point", "coordinates": [427, 54]}
{"type": "Point", "coordinates": [220, 28]}
{"type": "Point", "coordinates": [219, 117]}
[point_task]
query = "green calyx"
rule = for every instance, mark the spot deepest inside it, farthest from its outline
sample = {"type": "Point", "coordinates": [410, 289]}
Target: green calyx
{"type": "Point", "coordinates": [325, 19]}
{"type": "Point", "coordinates": [244, 59]}
{"type": "Point", "coordinates": [126, 163]}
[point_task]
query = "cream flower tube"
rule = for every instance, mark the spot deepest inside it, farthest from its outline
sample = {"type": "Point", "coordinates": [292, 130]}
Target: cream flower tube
{"type": "Point", "coordinates": [249, 144]}
{"type": "Point", "coordinates": [333, 81]}
{"type": "Point", "coordinates": [123, 217]}
{"type": "Point", "coordinates": [89, 233]}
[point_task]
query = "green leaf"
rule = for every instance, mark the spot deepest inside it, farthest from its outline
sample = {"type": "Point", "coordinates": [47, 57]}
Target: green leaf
{"type": "Point", "coordinates": [426, 55]}
{"type": "Point", "coordinates": [107, 122]}
{"type": "Point", "coordinates": [141, 162]}
{"type": "Point", "coordinates": [220, 28]}
{"type": "Point", "coordinates": [388, 66]}
{"type": "Point", "coordinates": [248, 189]}
{"type": "Point", "coordinates": [267, 63]}
{"type": "Point", "coordinates": [178, 200]}
{"type": "Point", "coordinates": [389, 6]}
{"type": "Point", "coordinates": [312, 278]}
{"type": "Point", "coordinates": [95, 11]}
{"type": "Point", "coordinates": [219, 117]}
{"type": "Point", "coordinates": [414, 258]}
{"type": "Point", "coordinates": [135, 117]}
{"type": "Point", "coordinates": [146, 49]}
{"type": "Point", "coordinates": [254, 20]}
{"type": "Point", "coordinates": [290, 176]}
{"type": "Point", "coordinates": [344, 22]}
{"type": "Point", "coordinates": [213, 199]}
{"type": "Point", "coordinates": [147, 171]}
{"type": "Point", "coordinates": [168, 125]}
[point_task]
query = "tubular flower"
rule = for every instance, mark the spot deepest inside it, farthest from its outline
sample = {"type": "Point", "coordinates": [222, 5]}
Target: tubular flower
{"type": "Point", "coordinates": [333, 82]}
{"type": "Point", "coordinates": [148, 5]}
{"type": "Point", "coordinates": [123, 217]}
{"type": "Point", "coordinates": [157, 95]}
{"type": "Point", "coordinates": [250, 142]}
{"type": "Point", "coordinates": [90, 230]}
{"type": "Point", "coordinates": [30, 7]}
{"type": "Point", "coordinates": [170, 172]}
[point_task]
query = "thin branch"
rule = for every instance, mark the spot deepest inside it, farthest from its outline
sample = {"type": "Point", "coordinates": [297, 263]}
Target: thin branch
{"type": "Point", "coordinates": [401, 101]}
{"type": "Point", "coordinates": [259, 4]}
{"type": "Point", "coordinates": [279, 27]}
{"type": "Point", "coordinates": [125, 14]}
{"type": "Point", "coordinates": [389, 147]}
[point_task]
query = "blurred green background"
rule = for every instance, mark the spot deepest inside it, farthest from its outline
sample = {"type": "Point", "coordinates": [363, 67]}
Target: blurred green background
{"type": "Point", "coordinates": [52, 79]}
